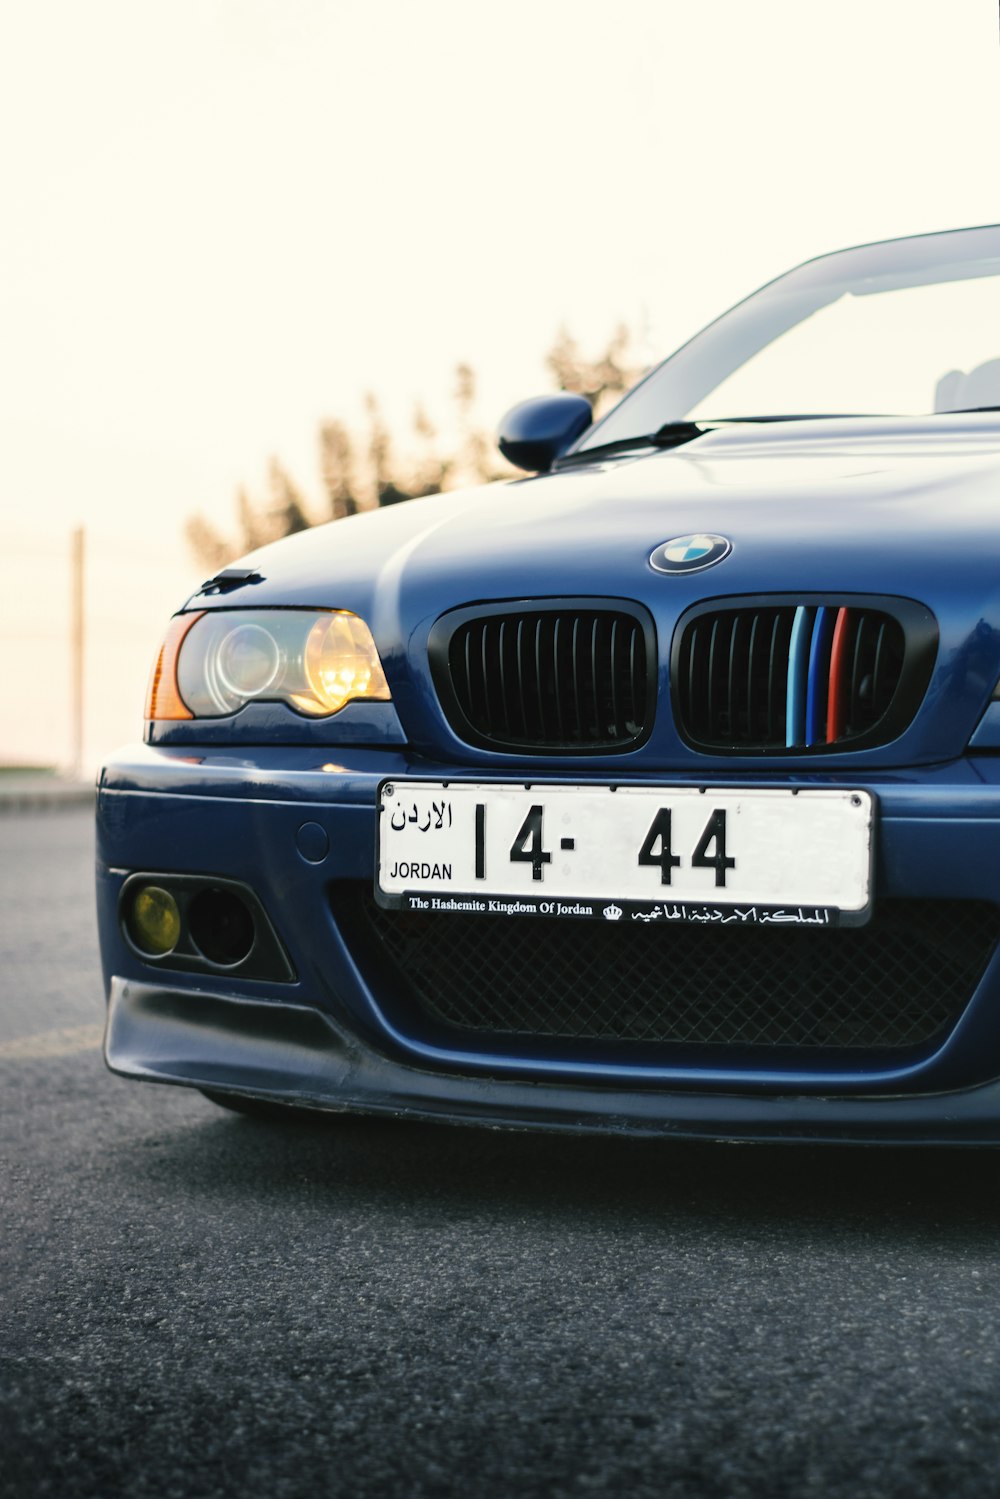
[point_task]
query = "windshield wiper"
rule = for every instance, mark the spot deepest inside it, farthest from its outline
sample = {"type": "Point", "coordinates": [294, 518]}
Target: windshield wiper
{"type": "Point", "coordinates": [670, 435]}
{"type": "Point", "coordinates": [675, 434]}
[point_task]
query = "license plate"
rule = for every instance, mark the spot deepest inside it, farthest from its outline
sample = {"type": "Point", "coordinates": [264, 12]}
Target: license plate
{"type": "Point", "coordinates": [771, 856]}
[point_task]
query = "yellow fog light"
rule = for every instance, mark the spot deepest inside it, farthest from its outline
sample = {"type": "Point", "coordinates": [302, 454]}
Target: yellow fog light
{"type": "Point", "coordinates": [154, 921]}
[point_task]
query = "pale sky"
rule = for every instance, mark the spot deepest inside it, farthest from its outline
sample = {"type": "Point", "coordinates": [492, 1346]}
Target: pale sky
{"type": "Point", "coordinates": [226, 219]}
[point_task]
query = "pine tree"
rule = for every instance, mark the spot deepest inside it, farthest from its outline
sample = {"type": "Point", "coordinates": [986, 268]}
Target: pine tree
{"type": "Point", "coordinates": [337, 467]}
{"type": "Point", "coordinates": [361, 473]}
{"type": "Point", "coordinates": [287, 512]}
{"type": "Point", "coordinates": [602, 380]}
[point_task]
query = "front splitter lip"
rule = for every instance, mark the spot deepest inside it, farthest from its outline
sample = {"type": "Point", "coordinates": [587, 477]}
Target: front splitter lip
{"type": "Point", "coordinates": [295, 1054]}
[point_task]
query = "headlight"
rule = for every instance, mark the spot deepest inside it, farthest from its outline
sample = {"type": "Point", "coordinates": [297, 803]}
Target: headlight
{"type": "Point", "coordinates": [213, 663]}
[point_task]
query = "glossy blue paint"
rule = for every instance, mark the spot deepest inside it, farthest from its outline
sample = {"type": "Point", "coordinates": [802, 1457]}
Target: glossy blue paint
{"type": "Point", "coordinates": [294, 1054]}
{"type": "Point", "coordinates": [276, 723]}
{"type": "Point", "coordinates": [900, 506]}
{"type": "Point", "coordinates": [769, 489]}
{"type": "Point", "coordinates": [987, 732]}
{"type": "Point", "coordinates": [223, 813]}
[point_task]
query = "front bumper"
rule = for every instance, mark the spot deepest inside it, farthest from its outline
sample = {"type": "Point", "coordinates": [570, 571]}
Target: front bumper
{"type": "Point", "coordinates": [329, 1040]}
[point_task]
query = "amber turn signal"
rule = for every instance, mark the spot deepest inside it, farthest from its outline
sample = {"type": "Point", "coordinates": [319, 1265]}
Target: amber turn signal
{"type": "Point", "coordinates": [163, 700]}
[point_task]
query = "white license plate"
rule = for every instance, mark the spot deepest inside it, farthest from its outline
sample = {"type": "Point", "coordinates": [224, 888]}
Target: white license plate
{"type": "Point", "coordinates": [645, 853]}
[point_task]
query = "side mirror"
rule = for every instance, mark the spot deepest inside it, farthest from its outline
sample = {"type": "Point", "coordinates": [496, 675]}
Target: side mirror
{"type": "Point", "coordinates": [535, 433]}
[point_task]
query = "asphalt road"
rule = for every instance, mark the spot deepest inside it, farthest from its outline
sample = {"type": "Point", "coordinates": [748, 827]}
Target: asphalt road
{"type": "Point", "coordinates": [197, 1304]}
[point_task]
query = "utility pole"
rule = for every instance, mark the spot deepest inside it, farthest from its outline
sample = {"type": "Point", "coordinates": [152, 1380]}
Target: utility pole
{"type": "Point", "coordinates": [76, 652]}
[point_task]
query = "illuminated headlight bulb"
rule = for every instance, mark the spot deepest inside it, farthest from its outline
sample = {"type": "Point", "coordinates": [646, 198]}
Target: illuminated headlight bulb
{"type": "Point", "coordinates": [342, 663]}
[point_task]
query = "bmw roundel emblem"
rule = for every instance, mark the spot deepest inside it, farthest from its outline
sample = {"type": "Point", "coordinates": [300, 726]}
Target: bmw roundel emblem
{"type": "Point", "coordinates": [689, 554]}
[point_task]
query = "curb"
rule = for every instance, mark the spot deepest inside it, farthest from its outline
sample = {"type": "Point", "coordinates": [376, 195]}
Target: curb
{"type": "Point", "coordinates": [45, 798]}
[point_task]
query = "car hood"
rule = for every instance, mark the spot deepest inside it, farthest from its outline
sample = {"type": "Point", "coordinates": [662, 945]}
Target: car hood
{"type": "Point", "coordinates": [902, 507]}
{"type": "Point", "coordinates": [873, 505]}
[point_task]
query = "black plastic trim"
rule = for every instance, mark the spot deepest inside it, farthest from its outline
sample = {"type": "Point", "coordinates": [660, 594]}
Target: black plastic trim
{"type": "Point", "coordinates": [445, 628]}
{"type": "Point", "coordinates": [267, 959]}
{"type": "Point", "coordinates": [920, 630]}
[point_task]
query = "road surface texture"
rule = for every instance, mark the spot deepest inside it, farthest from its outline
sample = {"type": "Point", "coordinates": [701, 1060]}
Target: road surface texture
{"type": "Point", "coordinates": [197, 1304]}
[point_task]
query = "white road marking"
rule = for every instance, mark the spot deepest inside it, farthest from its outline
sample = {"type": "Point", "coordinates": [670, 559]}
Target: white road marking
{"type": "Point", "coordinates": [62, 1043]}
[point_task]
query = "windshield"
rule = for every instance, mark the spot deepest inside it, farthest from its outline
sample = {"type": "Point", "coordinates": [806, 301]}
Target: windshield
{"type": "Point", "coordinates": [904, 327]}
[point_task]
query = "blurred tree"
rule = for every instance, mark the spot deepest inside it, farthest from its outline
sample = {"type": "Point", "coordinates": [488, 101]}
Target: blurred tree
{"type": "Point", "coordinates": [359, 473]}
{"type": "Point", "coordinates": [213, 549]}
{"type": "Point", "coordinates": [255, 525]}
{"type": "Point", "coordinates": [431, 473]}
{"type": "Point", "coordinates": [337, 466]}
{"type": "Point", "coordinates": [386, 490]}
{"type": "Point", "coordinates": [209, 547]}
{"type": "Point", "coordinates": [602, 380]}
{"type": "Point", "coordinates": [478, 460]}
{"type": "Point", "coordinates": [287, 511]}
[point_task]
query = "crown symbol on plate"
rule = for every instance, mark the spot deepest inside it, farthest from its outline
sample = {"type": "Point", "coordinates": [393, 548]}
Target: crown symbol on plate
{"type": "Point", "coordinates": [613, 913]}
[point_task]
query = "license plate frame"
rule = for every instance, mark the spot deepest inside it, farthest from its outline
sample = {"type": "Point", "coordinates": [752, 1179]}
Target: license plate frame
{"type": "Point", "coordinates": [811, 851]}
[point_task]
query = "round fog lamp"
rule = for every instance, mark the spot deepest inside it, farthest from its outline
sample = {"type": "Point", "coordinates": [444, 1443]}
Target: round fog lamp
{"type": "Point", "coordinates": [154, 921]}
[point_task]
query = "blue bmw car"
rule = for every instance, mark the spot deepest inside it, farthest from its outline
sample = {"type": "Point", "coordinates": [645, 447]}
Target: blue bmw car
{"type": "Point", "coordinates": [657, 791]}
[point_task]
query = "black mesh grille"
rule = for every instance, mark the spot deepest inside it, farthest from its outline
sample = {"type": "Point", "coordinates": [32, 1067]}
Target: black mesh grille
{"type": "Point", "coordinates": [548, 679]}
{"type": "Point", "coordinates": [765, 675]}
{"type": "Point", "coordinates": [896, 984]}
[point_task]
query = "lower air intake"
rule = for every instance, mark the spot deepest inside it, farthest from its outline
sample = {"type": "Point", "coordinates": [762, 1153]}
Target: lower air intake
{"type": "Point", "coordinates": [898, 984]}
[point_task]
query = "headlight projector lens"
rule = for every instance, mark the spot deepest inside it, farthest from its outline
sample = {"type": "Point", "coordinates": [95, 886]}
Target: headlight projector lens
{"type": "Point", "coordinates": [248, 660]}
{"type": "Point", "coordinates": [314, 660]}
